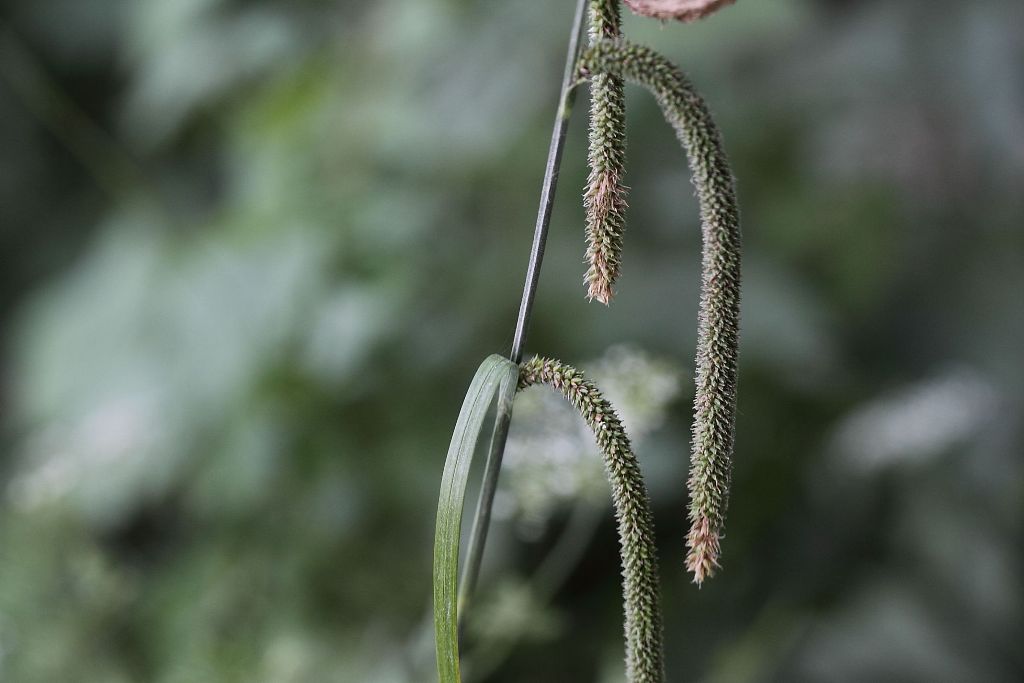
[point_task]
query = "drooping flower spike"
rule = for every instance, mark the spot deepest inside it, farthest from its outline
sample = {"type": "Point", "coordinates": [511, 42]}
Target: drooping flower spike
{"type": "Point", "coordinates": [718, 323]}
{"type": "Point", "coordinates": [640, 590]}
{"type": "Point", "coordinates": [605, 195]}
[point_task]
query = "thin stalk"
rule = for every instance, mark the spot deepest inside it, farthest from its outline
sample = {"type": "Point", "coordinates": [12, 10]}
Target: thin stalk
{"type": "Point", "coordinates": [482, 519]}
{"type": "Point", "coordinates": [547, 192]}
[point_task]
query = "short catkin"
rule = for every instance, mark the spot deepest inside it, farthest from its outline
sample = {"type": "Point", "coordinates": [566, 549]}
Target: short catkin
{"type": "Point", "coordinates": [718, 324]}
{"type": "Point", "coordinates": [605, 195]}
{"type": "Point", "coordinates": [641, 593]}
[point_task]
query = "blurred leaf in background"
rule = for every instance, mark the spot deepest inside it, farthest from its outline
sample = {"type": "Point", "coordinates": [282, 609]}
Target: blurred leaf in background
{"type": "Point", "coordinates": [253, 251]}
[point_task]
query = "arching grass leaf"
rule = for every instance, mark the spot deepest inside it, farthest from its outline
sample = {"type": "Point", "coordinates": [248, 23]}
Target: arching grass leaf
{"type": "Point", "coordinates": [496, 376]}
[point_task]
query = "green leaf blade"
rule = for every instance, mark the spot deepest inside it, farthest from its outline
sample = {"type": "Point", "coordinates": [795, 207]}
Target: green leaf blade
{"type": "Point", "coordinates": [496, 376]}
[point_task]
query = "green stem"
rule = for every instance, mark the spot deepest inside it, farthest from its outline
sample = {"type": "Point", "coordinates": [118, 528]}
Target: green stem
{"type": "Point", "coordinates": [481, 521]}
{"type": "Point", "coordinates": [484, 506]}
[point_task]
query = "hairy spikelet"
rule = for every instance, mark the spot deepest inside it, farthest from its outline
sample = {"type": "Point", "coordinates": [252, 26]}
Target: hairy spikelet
{"type": "Point", "coordinates": [681, 10]}
{"type": "Point", "coordinates": [718, 327]}
{"type": "Point", "coordinates": [605, 195]}
{"type": "Point", "coordinates": [644, 655]}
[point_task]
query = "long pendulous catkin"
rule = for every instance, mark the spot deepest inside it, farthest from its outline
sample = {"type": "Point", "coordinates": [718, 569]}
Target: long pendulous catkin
{"type": "Point", "coordinates": [641, 593]}
{"type": "Point", "coordinates": [604, 197]}
{"type": "Point", "coordinates": [718, 325]}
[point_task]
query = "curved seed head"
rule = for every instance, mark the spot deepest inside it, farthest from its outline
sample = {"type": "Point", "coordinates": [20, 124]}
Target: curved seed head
{"type": "Point", "coordinates": [640, 591]}
{"type": "Point", "coordinates": [719, 313]}
{"type": "Point", "coordinates": [605, 195]}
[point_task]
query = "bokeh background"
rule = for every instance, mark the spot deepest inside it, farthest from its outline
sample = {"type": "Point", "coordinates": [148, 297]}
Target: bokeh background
{"type": "Point", "coordinates": [252, 253]}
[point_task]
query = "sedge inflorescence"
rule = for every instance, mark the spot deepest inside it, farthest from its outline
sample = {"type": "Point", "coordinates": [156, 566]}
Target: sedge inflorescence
{"type": "Point", "coordinates": [640, 589]}
{"type": "Point", "coordinates": [718, 320]}
{"type": "Point", "coordinates": [607, 64]}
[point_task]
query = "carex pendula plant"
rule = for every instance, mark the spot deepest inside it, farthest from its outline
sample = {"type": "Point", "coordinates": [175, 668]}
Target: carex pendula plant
{"type": "Point", "coordinates": [606, 63]}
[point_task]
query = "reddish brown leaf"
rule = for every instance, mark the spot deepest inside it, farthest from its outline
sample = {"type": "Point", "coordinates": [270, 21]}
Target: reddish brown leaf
{"type": "Point", "coordinates": [681, 10]}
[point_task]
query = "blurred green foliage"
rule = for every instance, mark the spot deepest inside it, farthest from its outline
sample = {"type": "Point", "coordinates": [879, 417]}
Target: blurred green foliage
{"type": "Point", "coordinates": [253, 252]}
